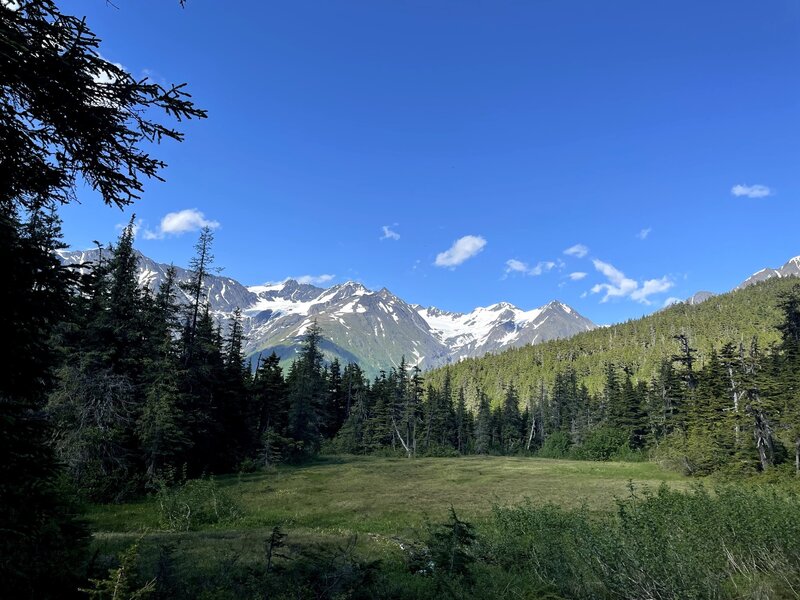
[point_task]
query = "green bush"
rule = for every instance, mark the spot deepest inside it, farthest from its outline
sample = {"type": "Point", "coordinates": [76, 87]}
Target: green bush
{"type": "Point", "coordinates": [693, 454]}
{"type": "Point", "coordinates": [195, 502]}
{"type": "Point", "coordinates": [557, 445]}
{"type": "Point", "coordinates": [604, 443]}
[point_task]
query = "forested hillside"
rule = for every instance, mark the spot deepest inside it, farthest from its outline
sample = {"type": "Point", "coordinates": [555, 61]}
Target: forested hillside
{"type": "Point", "coordinates": [639, 345]}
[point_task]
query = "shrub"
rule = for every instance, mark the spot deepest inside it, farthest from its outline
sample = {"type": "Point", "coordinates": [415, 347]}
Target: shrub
{"type": "Point", "coordinates": [692, 454]}
{"type": "Point", "coordinates": [604, 443]}
{"type": "Point", "coordinates": [557, 445]}
{"type": "Point", "coordinates": [195, 502]}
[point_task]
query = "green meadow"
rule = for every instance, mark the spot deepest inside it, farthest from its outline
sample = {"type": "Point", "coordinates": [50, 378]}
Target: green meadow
{"type": "Point", "coordinates": [395, 496]}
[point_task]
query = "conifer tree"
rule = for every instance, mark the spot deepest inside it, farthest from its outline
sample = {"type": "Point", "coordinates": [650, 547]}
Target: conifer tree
{"type": "Point", "coordinates": [510, 422]}
{"type": "Point", "coordinates": [463, 424]}
{"type": "Point", "coordinates": [307, 393]}
{"type": "Point", "coordinates": [379, 431]}
{"type": "Point", "coordinates": [270, 404]}
{"type": "Point", "coordinates": [483, 425]}
{"type": "Point", "coordinates": [201, 385]}
{"type": "Point", "coordinates": [612, 407]}
{"type": "Point", "coordinates": [760, 406]}
{"type": "Point", "coordinates": [98, 400]}
{"type": "Point", "coordinates": [790, 375]}
{"type": "Point", "coordinates": [238, 431]}
{"type": "Point", "coordinates": [161, 428]}
{"type": "Point", "coordinates": [200, 269]}
{"type": "Point", "coordinates": [336, 408]}
{"type": "Point", "coordinates": [41, 543]}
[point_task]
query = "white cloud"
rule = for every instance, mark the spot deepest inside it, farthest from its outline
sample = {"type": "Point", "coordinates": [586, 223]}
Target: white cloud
{"type": "Point", "coordinates": [751, 191]}
{"type": "Point", "coordinates": [389, 234]}
{"type": "Point", "coordinates": [10, 4]}
{"type": "Point", "coordinates": [672, 300]}
{"type": "Point", "coordinates": [178, 223]}
{"type": "Point", "coordinates": [517, 266]}
{"type": "Point", "coordinates": [619, 286]}
{"type": "Point", "coordinates": [577, 275]}
{"type": "Point", "coordinates": [314, 279]}
{"type": "Point", "coordinates": [642, 235]}
{"type": "Point", "coordinates": [650, 287]}
{"type": "Point", "coordinates": [578, 250]}
{"type": "Point", "coordinates": [462, 249]}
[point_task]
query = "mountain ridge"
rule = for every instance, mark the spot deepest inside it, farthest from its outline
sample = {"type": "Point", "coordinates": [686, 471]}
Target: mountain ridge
{"type": "Point", "coordinates": [375, 328]}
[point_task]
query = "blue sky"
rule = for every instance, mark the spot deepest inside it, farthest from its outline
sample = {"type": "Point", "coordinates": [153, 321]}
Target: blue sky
{"type": "Point", "coordinates": [518, 129]}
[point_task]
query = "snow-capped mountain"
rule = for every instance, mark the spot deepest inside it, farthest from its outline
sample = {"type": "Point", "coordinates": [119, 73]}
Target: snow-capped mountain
{"type": "Point", "coordinates": [503, 325]}
{"type": "Point", "coordinates": [790, 269]}
{"type": "Point", "coordinates": [374, 328]}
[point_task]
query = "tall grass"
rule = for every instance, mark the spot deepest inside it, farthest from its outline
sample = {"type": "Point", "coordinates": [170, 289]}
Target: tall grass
{"type": "Point", "coordinates": [738, 542]}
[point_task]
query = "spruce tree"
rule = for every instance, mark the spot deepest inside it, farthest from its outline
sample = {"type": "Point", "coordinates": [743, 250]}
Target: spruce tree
{"type": "Point", "coordinates": [235, 410]}
{"type": "Point", "coordinates": [463, 422]}
{"type": "Point", "coordinates": [307, 393]}
{"type": "Point", "coordinates": [99, 398]}
{"type": "Point", "coordinates": [510, 422]}
{"type": "Point", "coordinates": [336, 408]}
{"type": "Point", "coordinates": [161, 429]}
{"type": "Point", "coordinates": [200, 269]}
{"type": "Point", "coordinates": [270, 404]}
{"type": "Point", "coordinates": [483, 425]}
{"type": "Point", "coordinates": [790, 368]}
{"type": "Point", "coordinates": [41, 542]}
{"type": "Point", "coordinates": [201, 386]}
{"type": "Point", "coordinates": [379, 431]}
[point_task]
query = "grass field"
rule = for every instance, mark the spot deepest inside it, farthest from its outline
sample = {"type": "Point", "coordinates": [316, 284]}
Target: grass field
{"type": "Point", "coordinates": [393, 496]}
{"type": "Point", "coordinates": [342, 514]}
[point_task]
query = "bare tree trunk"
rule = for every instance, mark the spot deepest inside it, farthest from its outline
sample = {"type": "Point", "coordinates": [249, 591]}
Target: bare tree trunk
{"type": "Point", "coordinates": [406, 446]}
{"type": "Point", "coordinates": [736, 397]}
{"type": "Point", "coordinates": [532, 432]}
{"type": "Point", "coordinates": [763, 438]}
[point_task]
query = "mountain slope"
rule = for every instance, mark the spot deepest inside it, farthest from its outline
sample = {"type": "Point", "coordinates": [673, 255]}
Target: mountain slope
{"type": "Point", "coordinates": [375, 329]}
{"type": "Point", "coordinates": [640, 344]}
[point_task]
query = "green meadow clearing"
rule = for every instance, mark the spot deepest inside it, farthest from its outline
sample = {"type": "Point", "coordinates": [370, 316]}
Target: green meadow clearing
{"type": "Point", "coordinates": [379, 503]}
{"type": "Point", "coordinates": [395, 496]}
{"type": "Point", "coordinates": [544, 528]}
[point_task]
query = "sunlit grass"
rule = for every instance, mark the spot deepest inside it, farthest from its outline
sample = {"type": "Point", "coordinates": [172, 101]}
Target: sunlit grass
{"type": "Point", "coordinates": [394, 496]}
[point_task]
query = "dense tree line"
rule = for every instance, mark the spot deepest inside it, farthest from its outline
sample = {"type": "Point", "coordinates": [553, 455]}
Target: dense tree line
{"type": "Point", "coordinates": [150, 385]}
